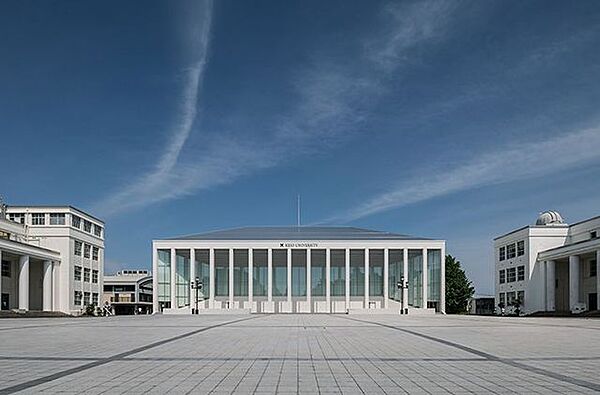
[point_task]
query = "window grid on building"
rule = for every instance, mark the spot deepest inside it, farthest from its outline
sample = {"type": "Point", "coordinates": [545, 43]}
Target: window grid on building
{"type": "Point", "coordinates": [95, 251]}
{"type": "Point", "coordinates": [57, 218]}
{"type": "Point", "coordinates": [75, 221]}
{"type": "Point", "coordinates": [94, 276]}
{"type": "Point", "coordinates": [520, 273]}
{"type": "Point", "coordinates": [77, 248]}
{"type": "Point", "coordinates": [86, 250]}
{"type": "Point", "coordinates": [593, 268]}
{"type": "Point", "coordinates": [86, 275]}
{"type": "Point", "coordinates": [510, 251]}
{"type": "Point", "coordinates": [87, 226]}
{"type": "Point", "coordinates": [38, 219]}
{"type": "Point", "coordinates": [521, 248]}
{"type": "Point", "coordinates": [511, 275]}
{"type": "Point", "coordinates": [5, 269]}
{"type": "Point", "coordinates": [77, 273]}
{"type": "Point", "coordinates": [502, 276]}
{"type": "Point", "coordinates": [77, 298]}
{"type": "Point", "coordinates": [502, 253]}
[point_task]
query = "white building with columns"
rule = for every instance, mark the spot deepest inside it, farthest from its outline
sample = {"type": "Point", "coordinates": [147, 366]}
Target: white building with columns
{"type": "Point", "coordinates": [299, 270]}
{"type": "Point", "coordinates": [550, 266]}
{"type": "Point", "coordinates": [52, 258]}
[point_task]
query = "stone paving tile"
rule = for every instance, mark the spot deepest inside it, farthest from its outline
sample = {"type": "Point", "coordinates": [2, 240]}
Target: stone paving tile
{"type": "Point", "coordinates": [301, 354]}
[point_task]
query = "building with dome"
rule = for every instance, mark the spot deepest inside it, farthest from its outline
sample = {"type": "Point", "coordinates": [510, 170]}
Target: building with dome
{"type": "Point", "coordinates": [550, 266]}
{"type": "Point", "coordinates": [301, 269]}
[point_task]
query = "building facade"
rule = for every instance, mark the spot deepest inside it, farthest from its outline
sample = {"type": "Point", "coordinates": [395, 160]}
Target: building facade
{"type": "Point", "coordinates": [70, 278]}
{"type": "Point", "coordinates": [299, 270]}
{"type": "Point", "coordinates": [550, 266]}
{"type": "Point", "coordinates": [128, 292]}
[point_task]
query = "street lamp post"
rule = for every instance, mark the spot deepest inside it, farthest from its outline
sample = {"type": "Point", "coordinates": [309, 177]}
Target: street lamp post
{"type": "Point", "coordinates": [196, 285]}
{"type": "Point", "coordinates": [402, 286]}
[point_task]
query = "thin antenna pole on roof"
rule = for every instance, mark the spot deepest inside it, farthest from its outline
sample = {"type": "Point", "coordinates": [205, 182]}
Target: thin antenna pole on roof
{"type": "Point", "coordinates": [298, 206]}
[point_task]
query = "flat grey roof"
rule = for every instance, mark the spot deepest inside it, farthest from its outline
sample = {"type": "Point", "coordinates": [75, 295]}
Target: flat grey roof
{"type": "Point", "coordinates": [297, 233]}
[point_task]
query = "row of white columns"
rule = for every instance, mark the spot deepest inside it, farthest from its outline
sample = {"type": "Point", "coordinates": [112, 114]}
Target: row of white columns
{"type": "Point", "coordinates": [574, 282]}
{"type": "Point", "coordinates": [308, 275]}
{"type": "Point", "coordinates": [23, 283]}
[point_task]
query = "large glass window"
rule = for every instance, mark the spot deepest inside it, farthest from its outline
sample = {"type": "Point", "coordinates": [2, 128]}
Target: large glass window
{"type": "Point", "coordinates": [182, 277]}
{"type": "Point", "coordinates": [203, 272]}
{"type": "Point", "coordinates": [501, 253]}
{"type": "Point", "coordinates": [395, 273]}
{"type": "Point", "coordinates": [338, 272]}
{"type": "Point", "coordinates": [511, 275]}
{"type": "Point", "coordinates": [434, 275]}
{"type": "Point", "coordinates": [520, 273]}
{"type": "Point", "coordinates": [77, 273]}
{"type": "Point", "coordinates": [221, 272]}
{"type": "Point", "coordinates": [260, 273]}
{"type": "Point", "coordinates": [57, 218]}
{"type": "Point", "coordinates": [240, 272]}
{"type": "Point", "coordinates": [510, 251]}
{"type": "Point", "coordinates": [75, 221]}
{"type": "Point", "coordinates": [298, 272]}
{"type": "Point", "coordinates": [318, 272]}
{"type": "Point", "coordinates": [164, 275]}
{"type": "Point", "coordinates": [78, 247]}
{"type": "Point", "coordinates": [415, 278]}
{"type": "Point", "coordinates": [520, 248]}
{"type": "Point", "coordinates": [357, 272]}
{"type": "Point", "coordinates": [375, 272]}
{"type": "Point", "coordinates": [38, 219]}
{"type": "Point", "coordinates": [279, 272]}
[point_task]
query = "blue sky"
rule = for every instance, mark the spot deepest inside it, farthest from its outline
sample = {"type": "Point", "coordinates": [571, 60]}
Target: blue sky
{"type": "Point", "coordinates": [454, 120]}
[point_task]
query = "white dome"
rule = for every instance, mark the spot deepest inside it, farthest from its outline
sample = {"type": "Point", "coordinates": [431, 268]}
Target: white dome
{"type": "Point", "coordinates": [550, 218]}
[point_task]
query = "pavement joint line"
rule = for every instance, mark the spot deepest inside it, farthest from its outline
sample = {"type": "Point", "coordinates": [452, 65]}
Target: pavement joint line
{"type": "Point", "coordinates": [491, 357]}
{"type": "Point", "coordinates": [116, 357]}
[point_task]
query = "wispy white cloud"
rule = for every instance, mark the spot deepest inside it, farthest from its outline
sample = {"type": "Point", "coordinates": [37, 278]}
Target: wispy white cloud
{"type": "Point", "coordinates": [511, 163]}
{"type": "Point", "coordinates": [149, 186]}
{"type": "Point", "coordinates": [333, 97]}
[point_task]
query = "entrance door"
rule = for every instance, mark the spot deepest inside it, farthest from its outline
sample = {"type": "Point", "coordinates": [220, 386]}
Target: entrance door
{"type": "Point", "coordinates": [5, 302]}
{"type": "Point", "coordinates": [593, 301]}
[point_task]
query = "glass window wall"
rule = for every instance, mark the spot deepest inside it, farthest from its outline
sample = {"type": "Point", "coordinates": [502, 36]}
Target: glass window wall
{"type": "Point", "coordinates": [357, 272]}
{"type": "Point", "coordinates": [338, 272]}
{"type": "Point", "coordinates": [182, 277]}
{"type": "Point", "coordinates": [415, 278]}
{"type": "Point", "coordinates": [318, 272]}
{"type": "Point", "coordinates": [395, 273]}
{"type": "Point", "coordinates": [298, 272]}
{"type": "Point", "coordinates": [221, 272]}
{"type": "Point", "coordinates": [202, 262]}
{"type": "Point", "coordinates": [260, 272]}
{"type": "Point", "coordinates": [164, 275]}
{"type": "Point", "coordinates": [434, 275]}
{"type": "Point", "coordinates": [240, 272]}
{"type": "Point", "coordinates": [279, 272]}
{"type": "Point", "coordinates": [375, 272]}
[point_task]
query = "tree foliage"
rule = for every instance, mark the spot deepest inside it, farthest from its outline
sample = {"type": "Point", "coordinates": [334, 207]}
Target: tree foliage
{"type": "Point", "coordinates": [458, 287]}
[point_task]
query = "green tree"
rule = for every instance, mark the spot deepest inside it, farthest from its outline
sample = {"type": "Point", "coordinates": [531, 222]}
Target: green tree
{"type": "Point", "coordinates": [458, 287]}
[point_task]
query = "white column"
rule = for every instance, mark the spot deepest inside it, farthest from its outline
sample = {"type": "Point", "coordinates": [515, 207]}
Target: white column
{"type": "Point", "coordinates": [250, 275]}
{"type": "Point", "coordinates": [598, 279]}
{"type": "Point", "coordinates": [56, 286]}
{"type": "Point", "coordinates": [47, 286]}
{"type": "Point", "coordinates": [347, 279]}
{"type": "Point", "coordinates": [443, 280]}
{"type": "Point", "coordinates": [173, 279]}
{"type": "Point", "coordinates": [24, 282]}
{"type": "Point", "coordinates": [211, 277]}
{"type": "Point", "coordinates": [366, 278]}
{"type": "Point", "coordinates": [193, 279]}
{"type": "Point", "coordinates": [405, 274]}
{"type": "Point", "coordinates": [270, 275]}
{"type": "Point", "coordinates": [328, 279]}
{"type": "Point", "coordinates": [386, 269]}
{"type": "Point", "coordinates": [289, 275]}
{"type": "Point", "coordinates": [231, 278]}
{"type": "Point", "coordinates": [573, 281]}
{"type": "Point", "coordinates": [308, 279]}
{"type": "Point", "coordinates": [155, 308]}
{"type": "Point", "coordinates": [424, 297]}
{"type": "Point", "coordinates": [550, 285]}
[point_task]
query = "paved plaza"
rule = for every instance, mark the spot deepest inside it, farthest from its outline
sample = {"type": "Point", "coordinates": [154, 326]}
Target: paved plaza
{"type": "Point", "coordinates": [300, 354]}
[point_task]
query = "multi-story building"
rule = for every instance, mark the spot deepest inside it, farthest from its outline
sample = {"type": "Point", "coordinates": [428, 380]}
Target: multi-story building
{"type": "Point", "coordinates": [550, 266]}
{"type": "Point", "coordinates": [75, 272]}
{"type": "Point", "coordinates": [299, 270]}
{"type": "Point", "coordinates": [128, 292]}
